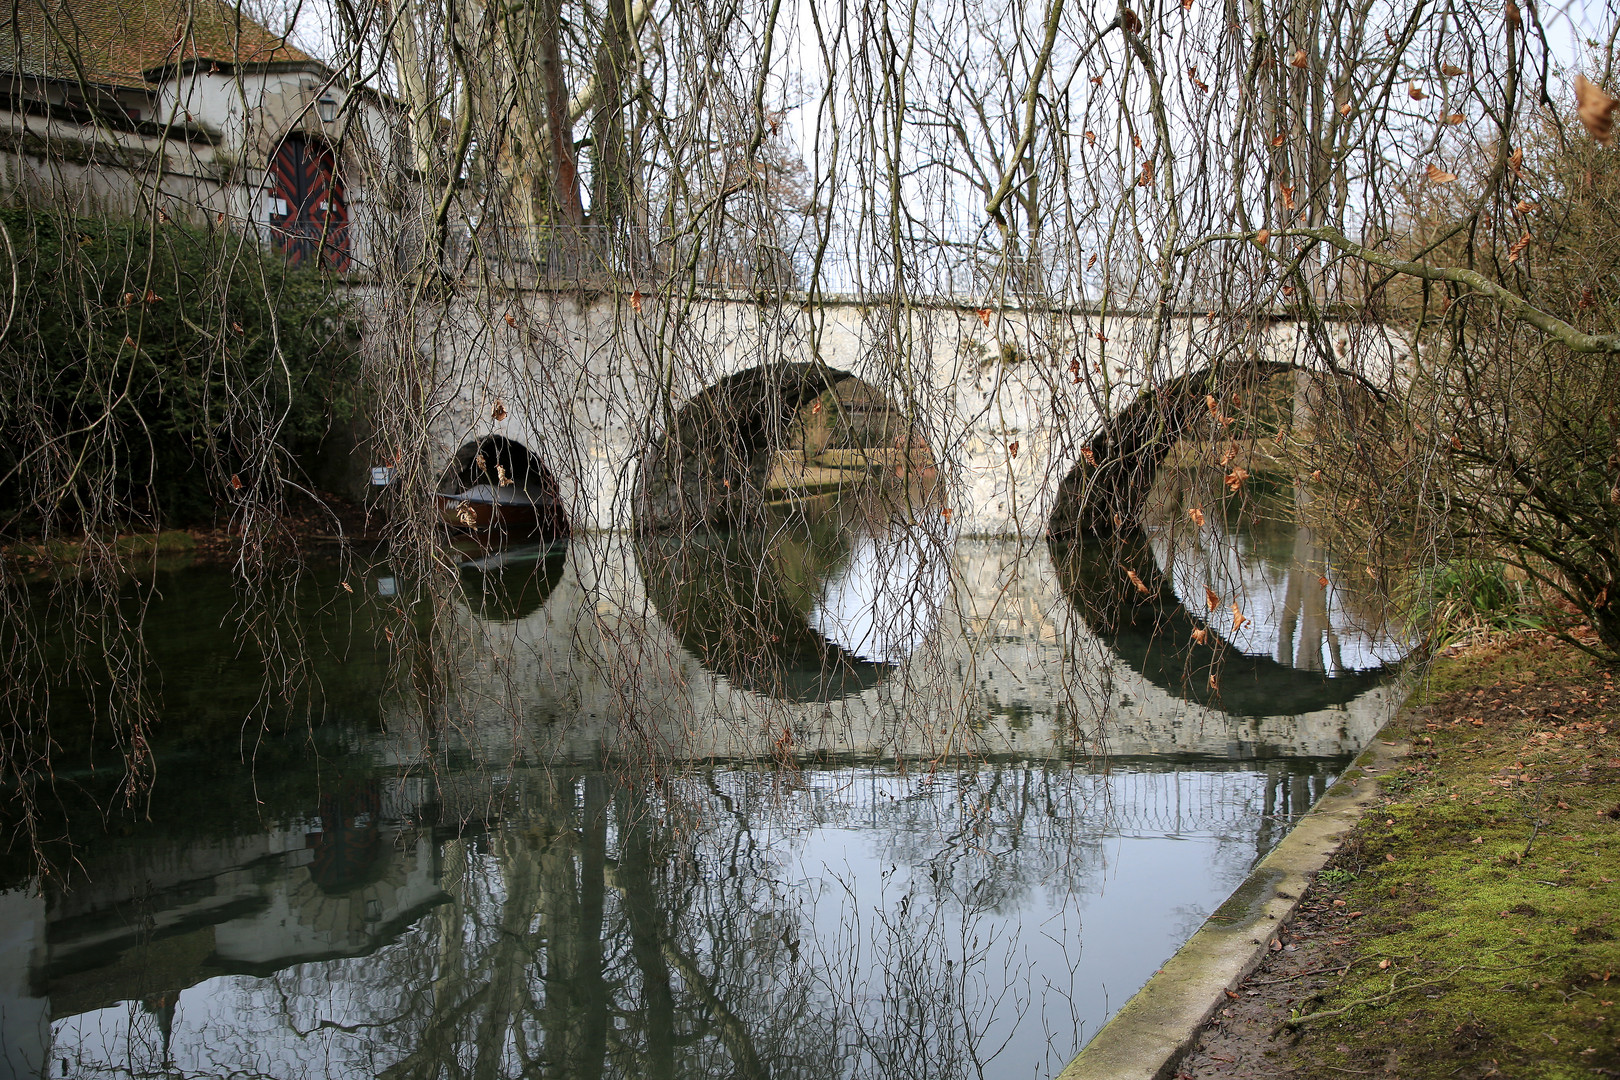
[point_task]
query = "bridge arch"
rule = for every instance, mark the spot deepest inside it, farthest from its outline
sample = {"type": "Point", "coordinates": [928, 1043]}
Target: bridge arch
{"type": "Point", "coordinates": [497, 486]}
{"type": "Point", "coordinates": [782, 527]}
{"type": "Point", "coordinates": [1103, 544]}
{"type": "Point", "coordinates": [768, 433]}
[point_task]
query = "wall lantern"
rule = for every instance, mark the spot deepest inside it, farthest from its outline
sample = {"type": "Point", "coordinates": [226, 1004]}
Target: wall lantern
{"type": "Point", "coordinates": [326, 107]}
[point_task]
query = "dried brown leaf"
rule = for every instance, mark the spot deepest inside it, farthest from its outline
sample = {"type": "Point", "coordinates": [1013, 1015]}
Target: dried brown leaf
{"type": "Point", "coordinates": [1596, 110]}
{"type": "Point", "coordinates": [1518, 247]}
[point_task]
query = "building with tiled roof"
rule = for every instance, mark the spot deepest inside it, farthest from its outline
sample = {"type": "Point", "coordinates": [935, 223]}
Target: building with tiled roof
{"type": "Point", "coordinates": [187, 109]}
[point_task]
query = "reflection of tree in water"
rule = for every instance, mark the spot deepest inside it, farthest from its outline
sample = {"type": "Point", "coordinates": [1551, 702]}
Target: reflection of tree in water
{"type": "Point", "coordinates": [721, 922]}
{"type": "Point", "coordinates": [1256, 552]}
{"type": "Point", "coordinates": [588, 938]}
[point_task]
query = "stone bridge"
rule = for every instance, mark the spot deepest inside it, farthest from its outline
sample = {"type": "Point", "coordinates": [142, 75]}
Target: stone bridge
{"type": "Point", "coordinates": [1005, 398]}
{"type": "Point", "coordinates": [999, 645]}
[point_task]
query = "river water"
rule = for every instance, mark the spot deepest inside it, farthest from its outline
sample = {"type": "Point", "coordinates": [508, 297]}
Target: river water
{"type": "Point", "coordinates": [819, 799]}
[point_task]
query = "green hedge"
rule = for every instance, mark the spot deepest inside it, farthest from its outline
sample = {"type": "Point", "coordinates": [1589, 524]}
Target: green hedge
{"type": "Point", "coordinates": [148, 369]}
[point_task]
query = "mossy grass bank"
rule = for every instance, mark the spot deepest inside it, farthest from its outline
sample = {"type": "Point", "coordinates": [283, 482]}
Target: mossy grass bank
{"type": "Point", "coordinates": [1470, 926]}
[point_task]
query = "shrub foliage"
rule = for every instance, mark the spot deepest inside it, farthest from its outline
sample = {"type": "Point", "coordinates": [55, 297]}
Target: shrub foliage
{"type": "Point", "coordinates": [147, 370]}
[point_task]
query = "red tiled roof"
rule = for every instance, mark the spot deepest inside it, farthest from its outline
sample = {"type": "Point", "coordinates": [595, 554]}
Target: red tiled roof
{"type": "Point", "coordinates": [116, 41]}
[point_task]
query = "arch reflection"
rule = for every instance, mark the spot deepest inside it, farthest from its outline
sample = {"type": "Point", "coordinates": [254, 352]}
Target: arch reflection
{"type": "Point", "coordinates": [1161, 596]}
{"type": "Point", "coordinates": [510, 583]}
{"type": "Point", "coordinates": [786, 533]}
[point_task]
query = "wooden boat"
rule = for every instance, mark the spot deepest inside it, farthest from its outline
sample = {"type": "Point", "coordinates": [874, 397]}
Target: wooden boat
{"type": "Point", "coordinates": [511, 510]}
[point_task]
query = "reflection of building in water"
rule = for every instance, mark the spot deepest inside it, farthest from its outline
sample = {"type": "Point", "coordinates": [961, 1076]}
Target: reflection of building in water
{"type": "Point", "coordinates": [1297, 607]}
{"type": "Point", "coordinates": [148, 919]}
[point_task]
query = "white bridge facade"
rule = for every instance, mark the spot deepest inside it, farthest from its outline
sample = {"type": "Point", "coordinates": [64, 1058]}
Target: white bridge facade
{"type": "Point", "coordinates": [1006, 397]}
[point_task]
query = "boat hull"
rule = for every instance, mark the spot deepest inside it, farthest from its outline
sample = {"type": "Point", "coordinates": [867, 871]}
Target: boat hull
{"type": "Point", "coordinates": [511, 520]}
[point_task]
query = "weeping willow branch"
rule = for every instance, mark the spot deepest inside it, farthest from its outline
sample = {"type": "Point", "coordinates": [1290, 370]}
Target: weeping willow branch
{"type": "Point", "coordinates": [1511, 303]}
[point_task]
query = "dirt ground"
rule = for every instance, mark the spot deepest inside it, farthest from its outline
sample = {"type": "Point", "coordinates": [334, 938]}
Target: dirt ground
{"type": "Point", "coordinates": [1469, 927]}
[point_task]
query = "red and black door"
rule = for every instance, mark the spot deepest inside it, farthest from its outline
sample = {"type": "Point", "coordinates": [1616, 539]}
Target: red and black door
{"type": "Point", "coordinates": [309, 219]}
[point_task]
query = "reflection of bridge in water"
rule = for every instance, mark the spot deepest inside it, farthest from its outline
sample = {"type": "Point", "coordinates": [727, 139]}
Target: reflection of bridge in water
{"type": "Point", "coordinates": [1009, 668]}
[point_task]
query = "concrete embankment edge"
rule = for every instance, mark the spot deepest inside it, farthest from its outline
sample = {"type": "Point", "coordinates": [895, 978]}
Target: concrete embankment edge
{"type": "Point", "coordinates": [1147, 1038]}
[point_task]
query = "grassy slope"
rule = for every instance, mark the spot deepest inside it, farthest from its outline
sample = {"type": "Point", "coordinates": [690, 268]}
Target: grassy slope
{"type": "Point", "coordinates": [1488, 886]}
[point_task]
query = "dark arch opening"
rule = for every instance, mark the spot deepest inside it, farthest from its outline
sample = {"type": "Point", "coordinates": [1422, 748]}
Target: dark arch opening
{"type": "Point", "coordinates": [1103, 548]}
{"type": "Point", "coordinates": [719, 462]}
{"type": "Point", "coordinates": [1105, 490]}
{"type": "Point", "coordinates": [496, 488]}
{"type": "Point", "coordinates": [774, 494]}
